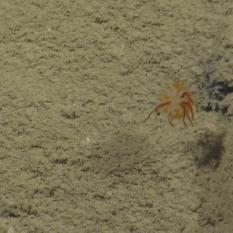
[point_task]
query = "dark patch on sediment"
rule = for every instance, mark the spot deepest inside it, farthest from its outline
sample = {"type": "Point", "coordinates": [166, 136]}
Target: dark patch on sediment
{"type": "Point", "coordinates": [208, 150]}
{"type": "Point", "coordinates": [215, 90]}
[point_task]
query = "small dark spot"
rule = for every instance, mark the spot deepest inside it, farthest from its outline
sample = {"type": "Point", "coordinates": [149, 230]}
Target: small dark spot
{"type": "Point", "coordinates": [70, 115]}
{"type": "Point", "coordinates": [60, 161]}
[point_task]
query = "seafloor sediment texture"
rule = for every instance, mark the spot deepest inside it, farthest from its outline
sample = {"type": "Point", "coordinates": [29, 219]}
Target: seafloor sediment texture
{"type": "Point", "coordinates": [77, 80]}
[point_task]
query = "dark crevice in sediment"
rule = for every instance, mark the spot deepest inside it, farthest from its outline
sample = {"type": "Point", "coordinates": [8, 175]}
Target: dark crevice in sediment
{"type": "Point", "coordinates": [214, 90]}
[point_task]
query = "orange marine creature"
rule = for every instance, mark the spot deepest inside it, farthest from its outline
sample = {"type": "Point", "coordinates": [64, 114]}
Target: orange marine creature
{"type": "Point", "coordinates": [177, 102]}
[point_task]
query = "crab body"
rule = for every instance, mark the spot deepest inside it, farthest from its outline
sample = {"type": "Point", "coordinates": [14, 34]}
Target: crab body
{"type": "Point", "coordinates": [177, 102]}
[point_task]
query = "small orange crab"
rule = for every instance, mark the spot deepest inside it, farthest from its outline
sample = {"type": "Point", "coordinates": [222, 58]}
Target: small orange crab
{"type": "Point", "coordinates": [177, 102]}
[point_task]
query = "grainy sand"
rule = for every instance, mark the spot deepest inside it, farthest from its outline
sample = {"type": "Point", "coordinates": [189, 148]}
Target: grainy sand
{"type": "Point", "coordinates": [77, 80]}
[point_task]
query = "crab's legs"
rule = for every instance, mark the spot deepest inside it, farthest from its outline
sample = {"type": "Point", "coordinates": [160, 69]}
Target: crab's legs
{"type": "Point", "coordinates": [169, 119]}
{"type": "Point", "coordinates": [189, 98]}
{"type": "Point", "coordinates": [187, 107]}
{"type": "Point", "coordinates": [184, 114]}
{"type": "Point", "coordinates": [156, 109]}
{"type": "Point", "coordinates": [185, 93]}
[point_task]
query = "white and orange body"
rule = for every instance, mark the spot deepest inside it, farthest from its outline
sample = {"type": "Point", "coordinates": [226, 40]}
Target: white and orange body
{"type": "Point", "coordinates": [177, 102]}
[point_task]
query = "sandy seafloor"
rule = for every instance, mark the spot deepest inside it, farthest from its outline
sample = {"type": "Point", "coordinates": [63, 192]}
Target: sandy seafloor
{"type": "Point", "coordinates": [77, 79]}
